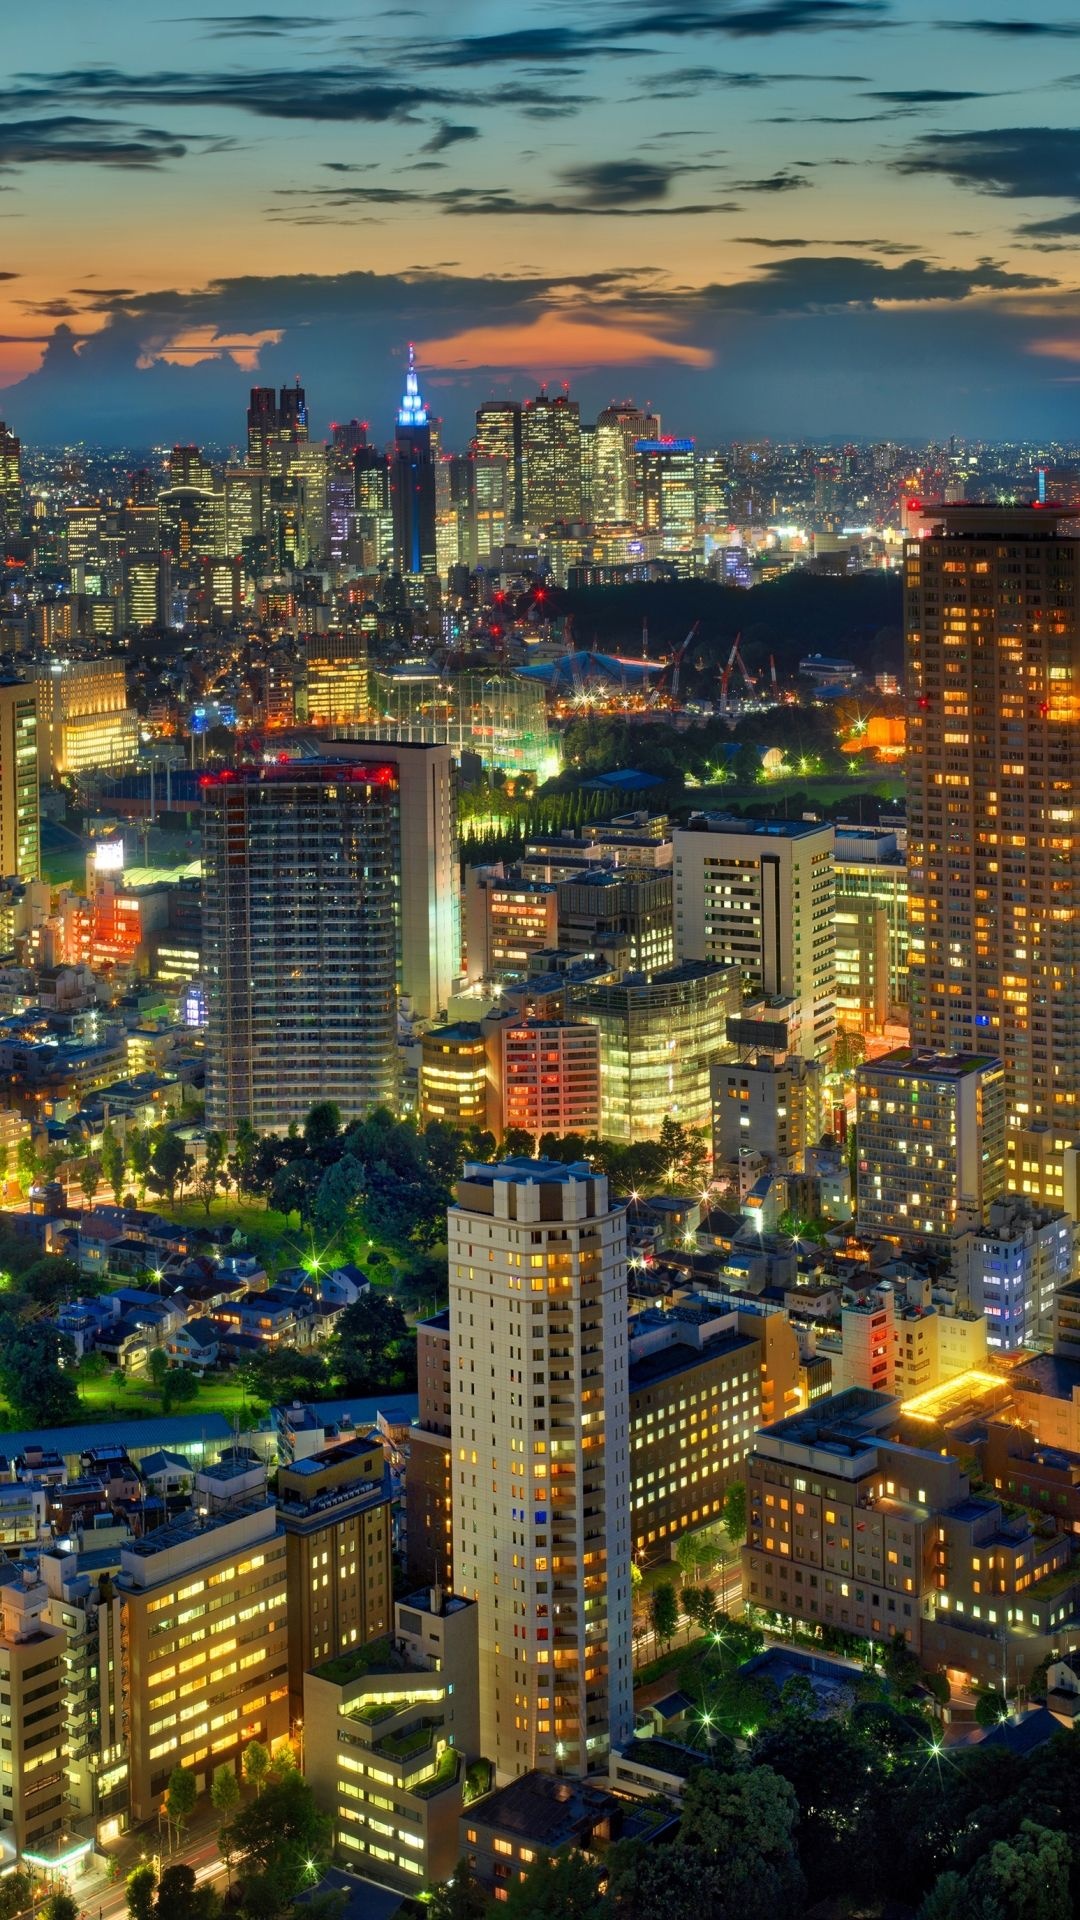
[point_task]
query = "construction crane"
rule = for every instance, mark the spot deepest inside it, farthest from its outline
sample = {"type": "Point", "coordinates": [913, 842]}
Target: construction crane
{"type": "Point", "coordinates": [772, 676]}
{"type": "Point", "coordinates": [677, 660]}
{"type": "Point", "coordinates": [735, 659]}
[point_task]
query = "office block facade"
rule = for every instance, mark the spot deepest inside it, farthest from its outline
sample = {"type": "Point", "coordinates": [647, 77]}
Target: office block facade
{"type": "Point", "coordinates": [205, 1646]}
{"type": "Point", "coordinates": [760, 895]}
{"type": "Point", "coordinates": [335, 1508]}
{"type": "Point", "coordinates": [931, 1142]}
{"type": "Point", "coordinates": [549, 1076]}
{"type": "Point", "coordinates": [660, 1036]}
{"type": "Point", "coordinates": [540, 1425]}
{"type": "Point", "coordinates": [20, 822]}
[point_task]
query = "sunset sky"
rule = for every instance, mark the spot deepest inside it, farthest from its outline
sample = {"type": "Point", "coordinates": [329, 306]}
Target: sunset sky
{"type": "Point", "coordinates": [777, 217]}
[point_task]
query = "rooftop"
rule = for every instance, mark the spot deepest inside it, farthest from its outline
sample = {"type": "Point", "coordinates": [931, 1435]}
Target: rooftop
{"type": "Point", "coordinates": [758, 829]}
{"type": "Point", "coordinates": [544, 1808]}
{"type": "Point", "coordinates": [198, 1431]}
{"type": "Point", "coordinates": [929, 1066]}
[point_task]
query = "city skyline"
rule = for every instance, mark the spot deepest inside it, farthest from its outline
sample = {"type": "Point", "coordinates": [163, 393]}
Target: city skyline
{"type": "Point", "coordinates": [795, 234]}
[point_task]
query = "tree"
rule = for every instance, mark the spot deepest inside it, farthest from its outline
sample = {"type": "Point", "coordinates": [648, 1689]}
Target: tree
{"type": "Point", "coordinates": [140, 1893]}
{"type": "Point", "coordinates": [517, 1142]}
{"type": "Point", "coordinates": [991, 1708]}
{"type": "Point", "coordinates": [157, 1365]}
{"type": "Point", "coordinates": [689, 1601]}
{"type": "Point", "coordinates": [322, 1126]}
{"type": "Point", "coordinates": [39, 1391]}
{"type": "Point", "coordinates": [29, 1163]}
{"type": "Point", "coordinates": [140, 1157]}
{"type": "Point", "coordinates": [256, 1764]}
{"type": "Point", "coordinates": [286, 1373]}
{"type": "Point", "coordinates": [113, 1162]}
{"type": "Point", "coordinates": [61, 1906]}
{"type": "Point", "coordinates": [16, 1893]}
{"type": "Point", "coordinates": [664, 1612]}
{"type": "Point", "coordinates": [558, 1886]}
{"type": "Point", "coordinates": [89, 1178]}
{"type": "Point", "coordinates": [797, 1695]}
{"type": "Point", "coordinates": [212, 1167]}
{"type": "Point", "coordinates": [281, 1839]}
{"type": "Point", "coordinates": [292, 1188]}
{"type": "Point", "coordinates": [1025, 1878]}
{"type": "Point", "coordinates": [338, 1195]}
{"type": "Point", "coordinates": [686, 1556]}
{"type": "Point", "coordinates": [459, 1898]}
{"type": "Point", "coordinates": [363, 1353]}
{"type": "Point", "coordinates": [170, 1165]}
{"type": "Point", "coordinates": [179, 1388]}
{"type": "Point", "coordinates": [179, 1896]}
{"type": "Point", "coordinates": [225, 1791]}
{"type": "Point", "coordinates": [735, 1513]}
{"type": "Point", "coordinates": [180, 1797]}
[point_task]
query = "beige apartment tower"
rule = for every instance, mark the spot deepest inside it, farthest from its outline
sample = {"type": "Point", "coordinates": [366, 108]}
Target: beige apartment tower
{"type": "Point", "coordinates": [539, 1441]}
{"type": "Point", "coordinates": [993, 675]}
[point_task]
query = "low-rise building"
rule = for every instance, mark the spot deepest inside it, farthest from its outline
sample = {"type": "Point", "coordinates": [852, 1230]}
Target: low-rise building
{"type": "Point", "coordinates": [389, 1730]}
{"type": "Point", "coordinates": [1011, 1267]}
{"type": "Point", "coordinates": [537, 1815]}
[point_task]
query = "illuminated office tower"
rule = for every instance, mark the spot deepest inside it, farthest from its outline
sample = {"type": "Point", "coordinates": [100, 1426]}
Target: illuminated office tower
{"type": "Point", "coordinates": [193, 525]}
{"type": "Point", "coordinates": [993, 674]}
{"type": "Point", "coordinates": [262, 426]}
{"type": "Point", "coordinates": [760, 895]}
{"type": "Point", "coordinates": [84, 720]}
{"type": "Point", "coordinates": [551, 459]}
{"type": "Point", "coordinates": [931, 1142]}
{"type": "Point", "coordinates": [293, 415]}
{"type": "Point", "coordinates": [143, 597]}
{"type": "Point", "coordinates": [493, 503]}
{"type": "Point", "coordinates": [374, 513]}
{"type": "Point", "coordinates": [307, 477]}
{"type": "Point", "coordinates": [412, 482]}
{"type": "Point", "coordinates": [661, 1034]}
{"type": "Point", "coordinates": [245, 507]}
{"type": "Point", "coordinates": [871, 929]}
{"type": "Point", "coordinates": [618, 429]}
{"type": "Point", "coordinates": [301, 920]}
{"type": "Point", "coordinates": [226, 1572]}
{"type": "Point", "coordinates": [20, 820]}
{"type": "Point", "coordinates": [541, 1506]}
{"type": "Point", "coordinates": [498, 436]}
{"type": "Point", "coordinates": [457, 518]}
{"type": "Point", "coordinates": [666, 492]}
{"type": "Point", "coordinates": [187, 468]}
{"type": "Point", "coordinates": [714, 492]}
{"type": "Point", "coordinates": [335, 679]}
{"type": "Point", "coordinates": [10, 481]}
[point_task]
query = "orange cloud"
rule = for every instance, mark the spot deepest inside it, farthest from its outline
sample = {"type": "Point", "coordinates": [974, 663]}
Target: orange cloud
{"type": "Point", "coordinates": [1056, 349]}
{"type": "Point", "coordinates": [556, 340]}
{"type": "Point", "coordinates": [204, 343]}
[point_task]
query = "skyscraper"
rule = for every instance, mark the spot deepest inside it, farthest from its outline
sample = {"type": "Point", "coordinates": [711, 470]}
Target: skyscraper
{"type": "Point", "coordinates": [262, 424]}
{"type": "Point", "coordinates": [665, 497]}
{"type": "Point", "coordinates": [541, 1475]}
{"type": "Point", "coordinates": [10, 481]}
{"type": "Point", "coordinates": [293, 414]}
{"type": "Point", "coordinates": [413, 481]}
{"type": "Point", "coordinates": [618, 428]}
{"type": "Point", "coordinates": [374, 513]}
{"type": "Point", "coordinates": [993, 672]}
{"type": "Point", "coordinates": [498, 436]}
{"type": "Point", "coordinates": [300, 939]}
{"type": "Point", "coordinates": [20, 827]}
{"type": "Point", "coordinates": [551, 459]}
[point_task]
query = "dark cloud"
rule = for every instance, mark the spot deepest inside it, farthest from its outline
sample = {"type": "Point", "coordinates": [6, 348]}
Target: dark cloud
{"type": "Point", "coordinates": [782, 182]}
{"type": "Point", "coordinates": [72, 139]}
{"type": "Point", "coordinates": [448, 135]}
{"type": "Point", "coordinates": [7, 275]}
{"type": "Point", "coordinates": [331, 94]}
{"type": "Point", "coordinates": [824, 283]}
{"type": "Point", "coordinates": [759, 240]}
{"type": "Point", "coordinates": [1065, 227]}
{"type": "Point", "coordinates": [552, 46]}
{"type": "Point", "coordinates": [1015, 29]}
{"type": "Point", "coordinates": [256, 26]}
{"type": "Point", "coordinates": [58, 309]}
{"type": "Point", "coordinates": [602, 189]}
{"type": "Point", "coordinates": [612, 184]}
{"type": "Point", "coordinates": [927, 96]}
{"type": "Point", "coordinates": [1018, 162]}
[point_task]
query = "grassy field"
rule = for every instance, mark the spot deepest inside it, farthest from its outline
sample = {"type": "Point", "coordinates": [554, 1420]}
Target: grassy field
{"type": "Point", "coordinates": [277, 1242]}
{"type": "Point", "coordinates": [116, 1396]}
{"type": "Point", "coordinates": [819, 789]}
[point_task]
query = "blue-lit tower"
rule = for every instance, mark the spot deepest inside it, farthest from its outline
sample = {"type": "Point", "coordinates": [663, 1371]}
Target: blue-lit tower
{"type": "Point", "coordinates": [413, 481]}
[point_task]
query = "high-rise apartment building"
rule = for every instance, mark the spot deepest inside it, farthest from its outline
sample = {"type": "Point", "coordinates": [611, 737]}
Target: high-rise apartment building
{"type": "Point", "coordinates": [20, 813]}
{"type": "Point", "coordinates": [301, 932]}
{"type": "Point", "coordinates": [540, 1427]}
{"type": "Point", "coordinates": [205, 1646]}
{"type": "Point", "coordinates": [33, 1759]}
{"type": "Point", "coordinates": [993, 668]}
{"type": "Point", "coordinates": [759, 895]}
{"type": "Point", "coordinates": [429, 1483]}
{"type": "Point", "coordinates": [498, 437]}
{"type": "Point", "coordinates": [931, 1142]}
{"type": "Point", "coordinates": [660, 1036]}
{"type": "Point", "coordinates": [412, 482]}
{"type": "Point", "coordinates": [871, 929]}
{"type": "Point", "coordinates": [551, 459]}
{"type": "Point", "coordinates": [549, 1076]}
